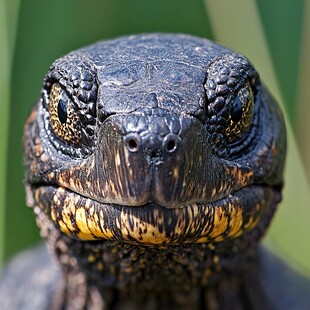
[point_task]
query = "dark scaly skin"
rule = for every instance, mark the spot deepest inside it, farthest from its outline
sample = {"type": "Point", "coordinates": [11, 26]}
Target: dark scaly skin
{"type": "Point", "coordinates": [155, 198]}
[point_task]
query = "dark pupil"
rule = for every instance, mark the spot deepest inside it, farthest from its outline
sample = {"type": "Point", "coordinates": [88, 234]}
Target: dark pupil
{"type": "Point", "coordinates": [62, 111]}
{"type": "Point", "coordinates": [236, 110]}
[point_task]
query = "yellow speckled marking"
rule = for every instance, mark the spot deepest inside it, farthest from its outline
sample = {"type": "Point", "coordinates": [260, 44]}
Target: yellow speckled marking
{"type": "Point", "coordinates": [144, 232]}
{"type": "Point", "coordinates": [176, 172]}
{"type": "Point", "coordinates": [117, 159]}
{"type": "Point", "coordinates": [86, 219]}
{"type": "Point", "coordinates": [216, 259]}
{"type": "Point", "coordinates": [63, 227]}
{"type": "Point", "coordinates": [53, 215]}
{"type": "Point", "coordinates": [220, 222]}
{"type": "Point", "coordinates": [251, 223]}
{"type": "Point", "coordinates": [81, 221]}
{"type": "Point", "coordinates": [203, 240]}
{"type": "Point", "coordinates": [235, 223]}
{"type": "Point", "coordinates": [90, 225]}
{"type": "Point", "coordinates": [91, 258]}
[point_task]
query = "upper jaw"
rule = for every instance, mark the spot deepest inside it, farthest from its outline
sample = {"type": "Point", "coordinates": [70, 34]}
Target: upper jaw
{"type": "Point", "coordinates": [113, 174]}
{"type": "Point", "coordinates": [152, 170]}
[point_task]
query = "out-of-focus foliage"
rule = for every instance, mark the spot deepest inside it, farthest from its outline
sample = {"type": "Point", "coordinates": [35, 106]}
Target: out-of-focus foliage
{"type": "Point", "coordinates": [45, 30]}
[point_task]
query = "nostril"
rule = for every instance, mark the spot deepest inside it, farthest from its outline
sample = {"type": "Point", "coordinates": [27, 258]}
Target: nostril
{"type": "Point", "coordinates": [132, 142]}
{"type": "Point", "coordinates": [171, 143]}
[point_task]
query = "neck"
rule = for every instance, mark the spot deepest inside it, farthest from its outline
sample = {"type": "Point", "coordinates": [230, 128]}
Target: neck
{"type": "Point", "coordinates": [123, 270]}
{"type": "Point", "coordinates": [104, 272]}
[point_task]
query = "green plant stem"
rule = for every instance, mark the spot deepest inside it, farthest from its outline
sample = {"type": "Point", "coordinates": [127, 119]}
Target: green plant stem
{"type": "Point", "coordinates": [302, 104]}
{"type": "Point", "coordinates": [8, 18]}
{"type": "Point", "coordinates": [4, 113]}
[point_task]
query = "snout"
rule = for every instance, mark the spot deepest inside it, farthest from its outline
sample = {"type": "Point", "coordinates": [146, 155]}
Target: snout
{"type": "Point", "coordinates": [149, 154]}
{"type": "Point", "coordinates": [147, 158]}
{"type": "Point", "coordinates": [152, 137]}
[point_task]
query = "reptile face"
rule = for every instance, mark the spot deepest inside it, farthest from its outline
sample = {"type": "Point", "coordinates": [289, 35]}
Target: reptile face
{"type": "Point", "coordinates": [154, 140]}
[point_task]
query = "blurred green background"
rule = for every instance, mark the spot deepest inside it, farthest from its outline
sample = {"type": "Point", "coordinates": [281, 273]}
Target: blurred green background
{"type": "Point", "coordinates": [274, 35]}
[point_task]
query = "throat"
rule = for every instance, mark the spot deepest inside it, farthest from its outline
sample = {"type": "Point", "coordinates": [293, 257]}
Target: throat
{"type": "Point", "coordinates": [141, 277]}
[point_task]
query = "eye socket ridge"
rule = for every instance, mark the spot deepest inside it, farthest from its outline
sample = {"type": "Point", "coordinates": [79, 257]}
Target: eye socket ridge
{"type": "Point", "coordinates": [229, 119]}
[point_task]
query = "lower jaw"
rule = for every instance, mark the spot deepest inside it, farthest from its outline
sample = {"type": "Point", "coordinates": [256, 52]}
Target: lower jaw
{"type": "Point", "coordinates": [152, 225]}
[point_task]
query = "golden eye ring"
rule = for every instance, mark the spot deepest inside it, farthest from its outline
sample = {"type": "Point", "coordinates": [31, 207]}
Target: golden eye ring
{"type": "Point", "coordinates": [63, 117]}
{"type": "Point", "coordinates": [241, 114]}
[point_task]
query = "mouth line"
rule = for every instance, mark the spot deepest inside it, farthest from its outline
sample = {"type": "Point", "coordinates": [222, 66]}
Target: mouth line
{"type": "Point", "coordinates": [86, 219]}
{"type": "Point", "coordinates": [129, 204]}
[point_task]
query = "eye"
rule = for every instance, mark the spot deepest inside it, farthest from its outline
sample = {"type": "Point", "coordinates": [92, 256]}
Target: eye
{"type": "Point", "coordinates": [63, 117]}
{"type": "Point", "coordinates": [62, 111]}
{"type": "Point", "coordinates": [231, 119]}
{"type": "Point", "coordinates": [240, 115]}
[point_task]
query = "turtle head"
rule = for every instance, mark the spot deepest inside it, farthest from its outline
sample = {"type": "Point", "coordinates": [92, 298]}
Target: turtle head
{"type": "Point", "coordinates": [155, 140]}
